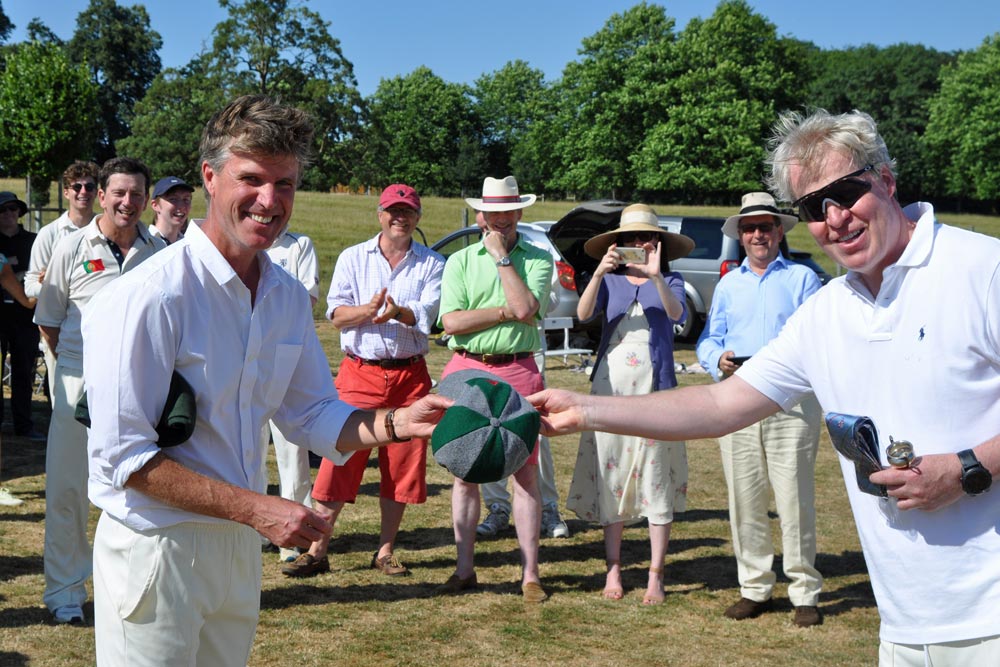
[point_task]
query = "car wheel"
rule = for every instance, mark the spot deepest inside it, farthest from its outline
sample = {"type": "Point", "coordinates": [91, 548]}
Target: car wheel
{"type": "Point", "coordinates": [688, 332]}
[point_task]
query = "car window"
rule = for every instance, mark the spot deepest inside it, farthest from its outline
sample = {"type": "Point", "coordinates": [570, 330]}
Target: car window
{"type": "Point", "coordinates": [455, 242]}
{"type": "Point", "coordinates": [707, 236]}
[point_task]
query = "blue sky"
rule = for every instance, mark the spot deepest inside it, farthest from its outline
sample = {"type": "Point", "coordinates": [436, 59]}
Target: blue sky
{"type": "Point", "coordinates": [461, 40]}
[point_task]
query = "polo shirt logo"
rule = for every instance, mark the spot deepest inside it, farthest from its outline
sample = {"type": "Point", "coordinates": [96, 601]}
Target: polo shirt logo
{"type": "Point", "coordinates": [921, 337]}
{"type": "Point", "coordinates": [93, 265]}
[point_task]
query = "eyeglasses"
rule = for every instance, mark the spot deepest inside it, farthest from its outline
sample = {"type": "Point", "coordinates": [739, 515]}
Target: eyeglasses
{"type": "Point", "coordinates": [89, 187]}
{"type": "Point", "coordinates": [764, 227]}
{"type": "Point", "coordinates": [641, 237]}
{"type": "Point", "coordinates": [10, 208]}
{"type": "Point", "coordinates": [844, 192]}
{"type": "Point", "coordinates": [401, 212]}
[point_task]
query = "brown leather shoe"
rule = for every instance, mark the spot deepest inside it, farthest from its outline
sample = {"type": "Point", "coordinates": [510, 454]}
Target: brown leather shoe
{"type": "Point", "coordinates": [747, 608]}
{"type": "Point", "coordinates": [306, 566]}
{"type": "Point", "coordinates": [807, 616]}
{"type": "Point", "coordinates": [389, 565]}
{"type": "Point", "coordinates": [533, 592]}
{"type": "Point", "coordinates": [456, 585]}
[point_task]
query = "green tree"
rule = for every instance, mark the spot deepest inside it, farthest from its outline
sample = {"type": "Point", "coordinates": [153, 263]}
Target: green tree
{"type": "Point", "coordinates": [606, 105]}
{"type": "Point", "coordinates": [507, 102]}
{"type": "Point", "coordinates": [963, 136]}
{"type": "Point", "coordinates": [120, 49]}
{"type": "Point", "coordinates": [275, 48]}
{"type": "Point", "coordinates": [6, 27]}
{"type": "Point", "coordinates": [423, 133]}
{"type": "Point", "coordinates": [47, 105]}
{"type": "Point", "coordinates": [168, 121]}
{"type": "Point", "coordinates": [708, 145]}
{"type": "Point", "coordinates": [894, 85]}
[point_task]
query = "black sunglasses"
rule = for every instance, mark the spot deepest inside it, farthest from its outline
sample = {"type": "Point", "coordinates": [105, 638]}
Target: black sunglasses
{"type": "Point", "coordinates": [844, 192]}
{"type": "Point", "coordinates": [10, 207]}
{"type": "Point", "coordinates": [89, 187]}
{"type": "Point", "coordinates": [764, 227]}
{"type": "Point", "coordinates": [642, 237]}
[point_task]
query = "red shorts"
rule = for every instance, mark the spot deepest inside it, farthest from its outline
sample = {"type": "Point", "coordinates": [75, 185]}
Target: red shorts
{"type": "Point", "coordinates": [522, 375]}
{"type": "Point", "coordinates": [403, 465]}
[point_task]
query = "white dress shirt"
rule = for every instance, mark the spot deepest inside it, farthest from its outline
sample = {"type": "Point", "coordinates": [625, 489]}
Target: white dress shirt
{"type": "Point", "coordinates": [186, 309]}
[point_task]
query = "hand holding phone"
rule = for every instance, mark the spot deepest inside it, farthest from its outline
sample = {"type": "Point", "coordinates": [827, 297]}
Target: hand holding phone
{"type": "Point", "coordinates": [739, 361]}
{"type": "Point", "coordinates": [632, 255]}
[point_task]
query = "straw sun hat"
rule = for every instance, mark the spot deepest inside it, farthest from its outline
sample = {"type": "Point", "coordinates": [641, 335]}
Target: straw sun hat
{"type": "Point", "coordinates": [640, 218]}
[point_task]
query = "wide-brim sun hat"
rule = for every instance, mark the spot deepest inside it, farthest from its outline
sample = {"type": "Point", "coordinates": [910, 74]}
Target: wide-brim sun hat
{"type": "Point", "coordinates": [756, 203]}
{"type": "Point", "coordinates": [641, 218]}
{"type": "Point", "coordinates": [500, 194]}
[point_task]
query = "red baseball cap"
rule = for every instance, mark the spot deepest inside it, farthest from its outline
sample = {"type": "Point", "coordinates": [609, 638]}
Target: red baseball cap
{"type": "Point", "coordinates": [399, 193]}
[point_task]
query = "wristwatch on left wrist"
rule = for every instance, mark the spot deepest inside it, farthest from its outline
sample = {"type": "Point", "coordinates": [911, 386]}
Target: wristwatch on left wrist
{"type": "Point", "coordinates": [504, 261]}
{"type": "Point", "coordinates": [975, 478]}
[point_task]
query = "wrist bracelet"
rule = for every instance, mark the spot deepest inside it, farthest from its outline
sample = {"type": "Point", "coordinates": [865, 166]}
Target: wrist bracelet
{"type": "Point", "coordinates": [390, 426]}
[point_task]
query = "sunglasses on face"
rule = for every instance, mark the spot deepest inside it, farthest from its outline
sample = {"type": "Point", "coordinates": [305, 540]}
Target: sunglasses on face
{"type": "Point", "coordinates": [844, 192]}
{"type": "Point", "coordinates": [764, 227]}
{"type": "Point", "coordinates": [10, 208]}
{"type": "Point", "coordinates": [641, 237]}
{"type": "Point", "coordinates": [89, 187]}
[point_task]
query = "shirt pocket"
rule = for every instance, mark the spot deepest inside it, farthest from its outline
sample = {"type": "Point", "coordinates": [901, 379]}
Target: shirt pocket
{"type": "Point", "coordinates": [286, 359]}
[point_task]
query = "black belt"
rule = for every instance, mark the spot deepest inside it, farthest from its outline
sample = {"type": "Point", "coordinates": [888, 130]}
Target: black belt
{"type": "Point", "coordinates": [387, 363]}
{"type": "Point", "coordinates": [496, 359]}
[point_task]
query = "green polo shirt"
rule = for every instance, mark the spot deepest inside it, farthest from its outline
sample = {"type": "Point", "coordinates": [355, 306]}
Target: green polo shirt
{"type": "Point", "coordinates": [471, 282]}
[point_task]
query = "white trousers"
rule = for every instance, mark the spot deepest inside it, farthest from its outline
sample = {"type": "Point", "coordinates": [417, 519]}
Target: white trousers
{"type": "Point", "coordinates": [967, 653]}
{"type": "Point", "coordinates": [778, 452]}
{"type": "Point", "coordinates": [188, 594]}
{"type": "Point", "coordinates": [67, 555]}
{"type": "Point", "coordinates": [294, 480]}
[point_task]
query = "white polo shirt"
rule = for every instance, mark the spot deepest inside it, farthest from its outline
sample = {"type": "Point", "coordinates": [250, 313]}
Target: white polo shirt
{"type": "Point", "coordinates": [186, 309]}
{"type": "Point", "coordinates": [922, 359]}
{"type": "Point", "coordinates": [81, 265]}
{"type": "Point", "coordinates": [296, 254]}
{"type": "Point", "coordinates": [41, 251]}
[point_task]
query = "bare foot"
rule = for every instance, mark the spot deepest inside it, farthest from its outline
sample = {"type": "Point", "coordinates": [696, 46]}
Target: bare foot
{"type": "Point", "coordinates": [654, 589]}
{"type": "Point", "coordinates": [613, 583]}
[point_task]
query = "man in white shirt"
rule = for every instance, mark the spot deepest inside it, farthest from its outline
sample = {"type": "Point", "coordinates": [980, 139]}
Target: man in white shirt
{"type": "Point", "coordinates": [296, 254]}
{"type": "Point", "coordinates": [79, 183]}
{"type": "Point", "coordinates": [889, 341]}
{"type": "Point", "coordinates": [172, 205]}
{"type": "Point", "coordinates": [83, 263]}
{"type": "Point", "coordinates": [177, 566]}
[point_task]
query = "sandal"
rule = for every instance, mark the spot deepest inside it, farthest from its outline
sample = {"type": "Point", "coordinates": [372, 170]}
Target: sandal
{"type": "Point", "coordinates": [613, 592]}
{"type": "Point", "coordinates": [654, 599]}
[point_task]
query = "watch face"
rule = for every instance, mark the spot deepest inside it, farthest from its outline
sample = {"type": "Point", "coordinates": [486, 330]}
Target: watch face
{"type": "Point", "coordinates": [976, 481]}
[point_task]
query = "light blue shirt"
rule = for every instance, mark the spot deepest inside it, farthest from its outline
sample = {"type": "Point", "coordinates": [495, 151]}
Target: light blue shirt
{"type": "Point", "coordinates": [749, 310]}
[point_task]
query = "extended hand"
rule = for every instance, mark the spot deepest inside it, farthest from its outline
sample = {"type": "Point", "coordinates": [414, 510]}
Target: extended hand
{"type": "Point", "coordinates": [419, 419]}
{"type": "Point", "coordinates": [931, 482]}
{"type": "Point", "coordinates": [562, 411]}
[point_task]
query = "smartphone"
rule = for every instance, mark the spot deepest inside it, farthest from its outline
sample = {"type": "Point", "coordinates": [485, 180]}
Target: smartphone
{"type": "Point", "coordinates": [739, 361]}
{"type": "Point", "coordinates": [632, 255]}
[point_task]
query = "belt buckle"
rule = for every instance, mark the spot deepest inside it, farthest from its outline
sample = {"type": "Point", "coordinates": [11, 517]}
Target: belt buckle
{"type": "Point", "coordinates": [488, 359]}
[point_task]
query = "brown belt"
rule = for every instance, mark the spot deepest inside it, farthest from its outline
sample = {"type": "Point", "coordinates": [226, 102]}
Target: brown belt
{"type": "Point", "coordinates": [496, 359]}
{"type": "Point", "coordinates": [387, 363]}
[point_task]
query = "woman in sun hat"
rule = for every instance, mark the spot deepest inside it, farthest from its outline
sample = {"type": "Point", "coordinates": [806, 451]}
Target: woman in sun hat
{"type": "Point", "coordinates": [620, 480]}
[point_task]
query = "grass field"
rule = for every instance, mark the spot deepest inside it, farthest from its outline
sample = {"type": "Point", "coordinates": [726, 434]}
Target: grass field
{"type": "Point", "coordinates": [355, 617]}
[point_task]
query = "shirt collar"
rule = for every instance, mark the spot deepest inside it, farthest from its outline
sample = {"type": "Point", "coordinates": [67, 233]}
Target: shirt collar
{"type": "Point", "coordinates": [220, 268]}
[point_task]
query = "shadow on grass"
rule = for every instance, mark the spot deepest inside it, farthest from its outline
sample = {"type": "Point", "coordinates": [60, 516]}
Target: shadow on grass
{"type": "Point", "coordinates": [13, 659]}
{"type": "Point", "coordinates": [12, 567]}
{"type": "Point", "coordinates": [22, 617]}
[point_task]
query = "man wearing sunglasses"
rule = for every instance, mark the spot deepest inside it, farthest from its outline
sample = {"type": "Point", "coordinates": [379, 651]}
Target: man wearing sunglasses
{"type": "Point", "coordinates": [890, 341]}
{"type": "Point", "coordinates": [79, 183]}
{"type": "Point", "coordinates": [749, 307]}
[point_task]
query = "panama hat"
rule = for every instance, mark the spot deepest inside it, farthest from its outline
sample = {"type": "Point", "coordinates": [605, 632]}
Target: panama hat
{"type": "Point", "coordinates": [640, 218]}
{"type": "Point", "coordinates": [500, 195]}
{"type": "Point", "coordinates": [756, 203]}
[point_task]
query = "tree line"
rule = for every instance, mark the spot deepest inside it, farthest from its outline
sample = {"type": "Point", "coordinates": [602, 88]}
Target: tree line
{"type": "Point", "coordinates": [646, 111]}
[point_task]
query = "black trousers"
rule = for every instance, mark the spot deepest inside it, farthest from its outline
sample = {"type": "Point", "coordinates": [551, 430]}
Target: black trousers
{"type": "Point", "coordinates": [19, 341]}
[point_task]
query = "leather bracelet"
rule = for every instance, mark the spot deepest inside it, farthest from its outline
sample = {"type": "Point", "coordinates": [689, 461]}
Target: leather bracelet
{"type": "Point", "coordinates": [390, 426]}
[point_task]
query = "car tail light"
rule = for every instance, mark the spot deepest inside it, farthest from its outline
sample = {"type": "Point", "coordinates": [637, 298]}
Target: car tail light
{"type": "Point", "coordinates": [567, 276]}
{"type": "Point", "coordinates": [727, 266]}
